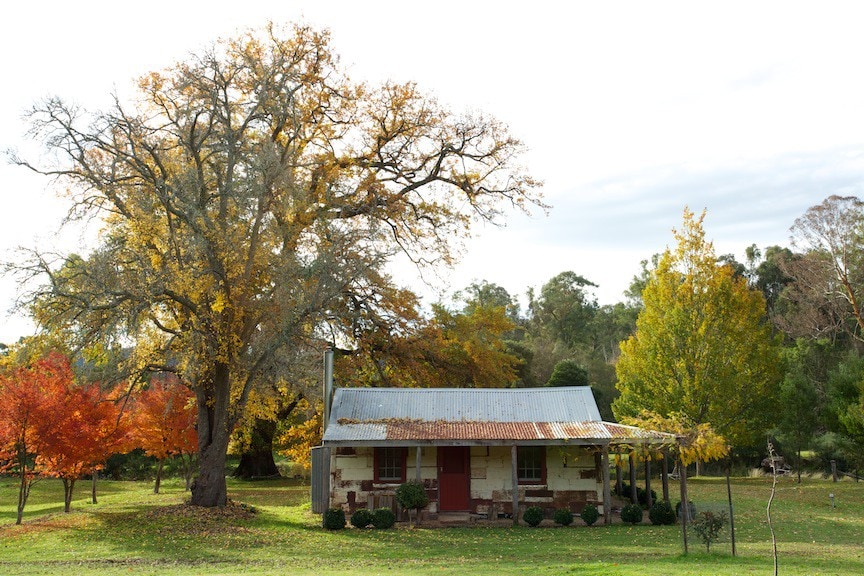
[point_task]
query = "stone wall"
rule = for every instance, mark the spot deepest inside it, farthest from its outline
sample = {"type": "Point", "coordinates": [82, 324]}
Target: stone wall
{"type": "Point", "coordinates": [573, 478]}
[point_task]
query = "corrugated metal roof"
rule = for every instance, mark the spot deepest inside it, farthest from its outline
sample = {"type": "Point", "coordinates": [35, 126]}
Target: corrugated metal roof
{"type": "Point", "coordinates": [480, 416]}
{"type": "Point", "coordinates": [565, 404]}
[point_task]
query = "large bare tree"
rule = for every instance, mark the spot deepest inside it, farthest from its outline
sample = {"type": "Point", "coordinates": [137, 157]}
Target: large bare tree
{"type": "Point", "coordinates": [250, 196]}
{"type": "Point", "coordinates": [827, 294]}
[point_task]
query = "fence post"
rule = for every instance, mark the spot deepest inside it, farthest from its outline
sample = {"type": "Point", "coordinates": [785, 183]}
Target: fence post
{"type": "Point", "coordinates": [834, 470]}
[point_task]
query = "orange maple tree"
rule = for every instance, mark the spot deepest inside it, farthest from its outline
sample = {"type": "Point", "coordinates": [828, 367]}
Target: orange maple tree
{"type": "Point", "coordinates": [81, 436]}
{"type": "Point", "coordinates": [31, 397]}
{"type": "Point", "coordinates": [164, 418]}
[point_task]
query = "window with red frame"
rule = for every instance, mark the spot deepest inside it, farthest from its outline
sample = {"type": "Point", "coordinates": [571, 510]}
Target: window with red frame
{"type": "Point", "coordinates": [531, 464]}
{"type": "Point", "coordinates": [390, 464]}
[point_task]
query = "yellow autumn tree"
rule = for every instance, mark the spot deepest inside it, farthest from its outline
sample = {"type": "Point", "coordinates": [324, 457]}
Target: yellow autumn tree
{"type": "Point", "coordinates": [252, 198]}
{"type": "Point", "coordinates": [450, 349]}
{"type": "Point", "coordinates": [696, 442]}
{"type": "Point", "coordinates": [703, 352]}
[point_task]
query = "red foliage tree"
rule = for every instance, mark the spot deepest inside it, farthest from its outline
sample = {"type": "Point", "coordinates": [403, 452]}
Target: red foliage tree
{"type": "Point", "coordinates": [31, 398]}
{"type": "Point", "coordinates": [164, 424]}
{"type": "Point", "coordinates": [81, 437]}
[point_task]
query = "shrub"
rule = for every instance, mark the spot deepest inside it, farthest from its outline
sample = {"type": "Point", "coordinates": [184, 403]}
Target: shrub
{"type": "Point", "coordinates": [631, 513]}
{"type": "Point", "coordinates": [334, 519]}
{"type": "Point", "coordinates": [589, 514]}
{"type": "Point", "coordinates": [361, 518]}
{"type": "Point", "coordinates": [412, 496]}
{"type": "Point", "coordinates": [692, 508]}
{"type": "Point", "coordinates": [135, 465]}
{"type": "Point", "coordinates": [708, 525]}
{"type": "Point", "coordinates": [383, 518]}
{"type": "Point", "coordinates": [641, 494]}
{"type": "Point", "coordinates": [661, 514]}
{"type": "Point", "coordinates": [563, 517]}
{"type": "Point", "coordinates": [533, 515]}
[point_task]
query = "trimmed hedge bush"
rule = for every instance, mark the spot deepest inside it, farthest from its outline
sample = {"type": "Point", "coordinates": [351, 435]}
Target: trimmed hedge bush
{"type": "Point", "coordinates": [383, 518]}
{"type": "Point", "coordinates": [361, 518]}
{"type": "Point", "coordinates": [334, 519]}
{"type": "Point", "coordinates": [631, 513]}
{"type": "Point", "coordinates": [533, 515]}
{"type": "Point", "coordinates": [661, 514]}
{"type": "Point", "coordinates": [563, 517]}
{"type": "Point", "coordinates": [589, 514]}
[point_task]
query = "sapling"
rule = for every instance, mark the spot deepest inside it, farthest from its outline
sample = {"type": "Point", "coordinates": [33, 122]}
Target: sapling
{"type": "Point", "coordinates": [771, 455]}
{"type": "Point", "coordinates": [708, 525]}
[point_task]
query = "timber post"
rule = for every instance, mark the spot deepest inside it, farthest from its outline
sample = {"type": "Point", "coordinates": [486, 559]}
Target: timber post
{"type": "Point", "coordinates": [664, 475]}
{"type": "Point", "coordinates": [685, 505]}
{"type": "Point", "coordinates": [515, 479]}
{"type": "Point", "coordinates": [607, 496]}
{"type": "Point", "coordinates": [648, 499]}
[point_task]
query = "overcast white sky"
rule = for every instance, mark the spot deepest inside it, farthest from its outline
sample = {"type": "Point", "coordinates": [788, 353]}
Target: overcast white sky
{"type": "Point", "coordinates": [631, 110]}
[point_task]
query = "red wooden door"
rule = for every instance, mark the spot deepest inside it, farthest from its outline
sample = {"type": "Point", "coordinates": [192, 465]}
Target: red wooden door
{"type": "Point", "coordinates": [454, 477]}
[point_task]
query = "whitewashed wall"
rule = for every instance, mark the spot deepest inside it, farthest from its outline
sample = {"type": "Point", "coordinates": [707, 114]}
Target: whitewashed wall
{"type": "Point", "coordinates": [572, 479]}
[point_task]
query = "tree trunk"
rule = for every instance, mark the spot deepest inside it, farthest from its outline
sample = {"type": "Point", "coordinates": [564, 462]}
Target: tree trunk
{"type": "Point", "coordinates": [188, 466]}
{"type": "Point", "coordinates": [731, 510]}
{"type": "Point", "coordinates": [649, 501]}
{"type": "Point", "coordinates": [158, 476]}
{"type": "Point", "coordinates": [209, 488]}
{"type": "Point", "coordinates": [68, 485]}
{"type": "Point", "coordinates": [799, 463]}
{"type": "Point", "coordinates": [634, 498]}
{"type": "Point", "coordinates": [23, 493]}
{"type": "Point", "coordinates": [94, 477]}
{"type": "Point", "coordinates": [257, 460]}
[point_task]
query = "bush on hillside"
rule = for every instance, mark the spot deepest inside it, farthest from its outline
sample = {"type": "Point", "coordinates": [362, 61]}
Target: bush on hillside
{"type": "Point", "coordinates": [533, 515]}
{"type": "Point", "coordinates": [661, 514]}
{"type": "Point", "coordinates": [589, 514]}
{"type": "Point", "coordinates": [563, 517]}
{"type": "Point", "coordinates": [383, 518]}
{"type": "Point", "coordinates": [631, 513]}
{"type": "Point", "coordinates": [361, 518]}
{"type": "Point", "coordinates": [334, 519]}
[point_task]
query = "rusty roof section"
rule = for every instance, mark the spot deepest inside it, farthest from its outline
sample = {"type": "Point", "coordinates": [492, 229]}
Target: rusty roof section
{"type": "Point", "coordinates": [566, 415]}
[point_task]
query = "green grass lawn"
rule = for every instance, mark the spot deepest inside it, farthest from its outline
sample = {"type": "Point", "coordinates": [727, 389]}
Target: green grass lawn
{"type": "Point", "coordinates": [132, 531]}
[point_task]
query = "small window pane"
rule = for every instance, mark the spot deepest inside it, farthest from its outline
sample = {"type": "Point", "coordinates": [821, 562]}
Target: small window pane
{"type": "Point", "coordinates": [390, 464]}
{"type": "Point", "coordinates": [529, 463]}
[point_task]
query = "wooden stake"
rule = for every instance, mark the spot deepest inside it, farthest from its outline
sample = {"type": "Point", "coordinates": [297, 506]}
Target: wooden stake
{"type": "Point", "coordinates": [685, 505]}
